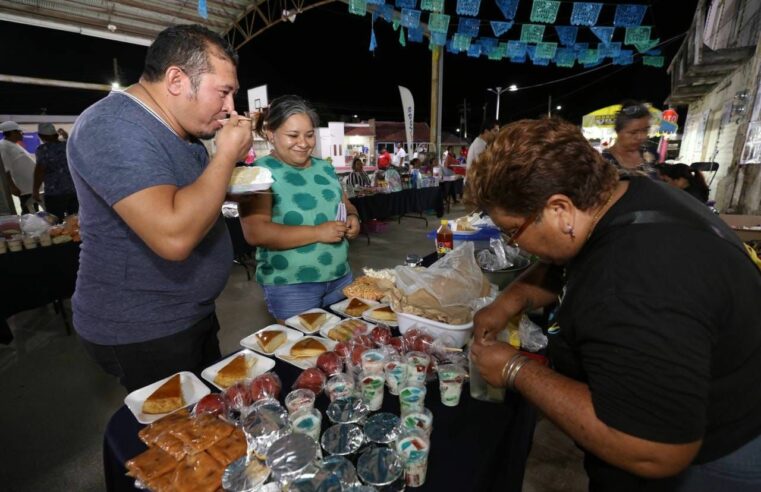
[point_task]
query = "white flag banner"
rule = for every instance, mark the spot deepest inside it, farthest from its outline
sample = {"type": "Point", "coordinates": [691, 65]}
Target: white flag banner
{"type": "Point", "coordinates": [408, 106]}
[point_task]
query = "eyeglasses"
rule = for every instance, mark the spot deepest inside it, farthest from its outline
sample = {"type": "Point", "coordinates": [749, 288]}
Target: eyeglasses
{"type": "Point", "coordinates": [511, 238]}
{"type": "Point", "coordinates": [636, 109]}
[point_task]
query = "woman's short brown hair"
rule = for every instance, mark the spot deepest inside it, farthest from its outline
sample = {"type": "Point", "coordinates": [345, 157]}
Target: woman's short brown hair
{"type": "Point", "coordinates": [531, 160]}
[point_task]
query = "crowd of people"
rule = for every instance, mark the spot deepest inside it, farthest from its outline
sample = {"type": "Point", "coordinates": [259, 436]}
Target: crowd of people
{"type": "Point", "coordinates": [655, 349]}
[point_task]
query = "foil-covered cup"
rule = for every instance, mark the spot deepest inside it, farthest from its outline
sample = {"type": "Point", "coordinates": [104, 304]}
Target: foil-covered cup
{"type": "Point", "coordinates": [350, 410]}
{"type": "Point", "coordinates": [244, 475]}
{"type": "Point", "coordinates": [342, 468]}
{"type": "Point", "coordinates": [381, 467]}
{"type": "Point", "coordinates": [321, 481]}
{"type": "Point", "coordinates": [342, 439]}
{"type": "Point", "coordinates": [292, 456]}
{"type": "Point", "coordinates": [382, 428]}
{"type": "Point", "coordinates": [265, 424]}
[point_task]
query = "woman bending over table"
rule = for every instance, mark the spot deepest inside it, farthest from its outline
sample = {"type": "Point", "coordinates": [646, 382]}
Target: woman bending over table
{"type": "Point", "coordinates": [302, 247]}
{"type": "Point", "coordinates": [656, 361]}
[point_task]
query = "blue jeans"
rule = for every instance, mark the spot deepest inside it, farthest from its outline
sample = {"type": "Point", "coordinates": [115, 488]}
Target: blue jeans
{"type": "Point", "coordinates": [284, 301]}
{"type": "Point", "coordinates": [739, 471]}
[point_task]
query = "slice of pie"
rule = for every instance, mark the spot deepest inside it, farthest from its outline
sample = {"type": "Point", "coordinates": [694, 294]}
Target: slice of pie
{"type": "Point", "coordinates": [307, 347]}
{"type": "Point", "coordinates": [236, 370]}
{"type": "Point", "coordinates": [167, 398]}
{"type": "Point", "coordinates": [385, 313]}
{"type": "Point", "coordinates": [356, 307]}
{"type": "Point", "coordinates": [312, 321]}
{"type": "Point", "coordinates": [270, 340]}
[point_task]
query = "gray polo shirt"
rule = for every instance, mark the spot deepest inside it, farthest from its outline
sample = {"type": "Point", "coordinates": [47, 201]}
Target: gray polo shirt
{"type": "Point", "coordinates": [126, 293]}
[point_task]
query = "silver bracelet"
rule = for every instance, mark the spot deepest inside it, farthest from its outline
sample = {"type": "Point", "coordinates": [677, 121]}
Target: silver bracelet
{"type": "Point", "coordinates": [514, 374]}
{"type": "Point", "coordinates": [508, 369]}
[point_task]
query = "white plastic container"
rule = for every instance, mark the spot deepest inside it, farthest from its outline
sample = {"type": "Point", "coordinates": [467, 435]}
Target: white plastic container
{"type": "Point", "coordinates": [459, 334]}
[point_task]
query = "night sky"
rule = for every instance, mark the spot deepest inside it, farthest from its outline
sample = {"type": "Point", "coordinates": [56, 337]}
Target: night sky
{"type": "Point", "coordinates": [324, 57]}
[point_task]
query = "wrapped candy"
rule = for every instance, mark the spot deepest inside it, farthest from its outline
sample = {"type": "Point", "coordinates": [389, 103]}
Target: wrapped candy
{"type": "Point", "coordinates": [213, 404]}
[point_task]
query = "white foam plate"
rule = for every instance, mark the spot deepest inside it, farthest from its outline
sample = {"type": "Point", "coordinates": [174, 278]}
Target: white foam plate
{"type": "Point", "coordinates": [368, 315]}
{"type": "Point", "coordinates": [294, 322]}
{"type": "Point", "coordinates": [324, 330]}
{"type": "Point", "coordinates": [193, 390]}
{"type": "Point", "coordinates": [262, 365]}
{"type": "Point", "coordinates": [340, 306]}
{"type": "Point", "coordinates": [284, 353]}
{"type": "Point", "coordinates": [250, 342]}
{"type": "Point", "coordinates": [249, 188]}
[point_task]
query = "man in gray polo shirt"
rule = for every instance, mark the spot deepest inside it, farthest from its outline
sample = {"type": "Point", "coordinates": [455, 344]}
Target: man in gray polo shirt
{"type": "Point", "coordinates": [155, 249]}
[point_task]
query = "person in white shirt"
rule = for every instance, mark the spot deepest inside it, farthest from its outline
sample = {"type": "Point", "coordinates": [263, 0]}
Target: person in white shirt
{"type": "Point", "coordinates": [19, 165]}
{"type": "Point", "coordinates": [399, 156]}
{"type": "Point", "coordinates": [488, 131]}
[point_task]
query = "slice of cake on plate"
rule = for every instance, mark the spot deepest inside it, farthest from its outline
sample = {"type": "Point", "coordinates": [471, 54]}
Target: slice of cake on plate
{"type": "Point", "coordinates": [307, 347]}
{"type": "Point", "coordinates": [312, 321]}
{"type": "Point", "coordinates": [236, 370]}
{"type": "Point", "coordinates": [385, 313]}
{"type": "Point", "coordinates": [167, 398]}
{"type": "Point", "coordinates": [356, 307]}
{"type": "Point", "coordinates": [270, 340]}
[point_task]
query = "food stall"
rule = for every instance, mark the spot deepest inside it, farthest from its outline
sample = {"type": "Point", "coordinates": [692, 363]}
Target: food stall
{"type": "Point", "coordinates": [328, 398]}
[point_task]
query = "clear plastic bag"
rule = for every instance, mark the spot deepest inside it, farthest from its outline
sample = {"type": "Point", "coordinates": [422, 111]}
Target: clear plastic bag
{"type": "Point", "coordinates": [454, 280]}
{"type": "Point", "coordinates": [532, 337]}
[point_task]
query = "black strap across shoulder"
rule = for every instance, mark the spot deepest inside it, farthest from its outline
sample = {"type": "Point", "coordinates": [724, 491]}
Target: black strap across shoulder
{"type": "Point", "coordinates": [659, 217]}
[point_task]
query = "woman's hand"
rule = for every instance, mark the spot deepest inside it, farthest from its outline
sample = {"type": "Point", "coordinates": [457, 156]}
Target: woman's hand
{"type": "Point", "coordinates": [331, 232]}
{"type": "Point", "coordinates": [489, 321]}
{"type": "Point", "coordinates": [352, 224]}
{"type": "Point", "coordinates": [490, 358]}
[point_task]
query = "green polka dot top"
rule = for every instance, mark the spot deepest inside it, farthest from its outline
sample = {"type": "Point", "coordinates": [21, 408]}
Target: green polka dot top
{"type": "Point", "coordinates": [308, 196]}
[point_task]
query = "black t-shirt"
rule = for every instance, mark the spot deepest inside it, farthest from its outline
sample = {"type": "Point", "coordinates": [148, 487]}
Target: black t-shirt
{"type": "Point", "coordinates": [663, 322]}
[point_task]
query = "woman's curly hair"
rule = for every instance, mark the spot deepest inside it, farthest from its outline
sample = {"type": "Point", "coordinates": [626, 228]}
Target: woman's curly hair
{"type": "Point", "coordinates": [531, 160]}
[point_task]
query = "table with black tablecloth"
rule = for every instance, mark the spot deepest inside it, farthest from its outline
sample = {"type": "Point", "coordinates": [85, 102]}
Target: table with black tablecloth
{"type": "Point", "coordinates": [476, 446]}
{"type": "Point", "coordinates": [35, 277]}
{"type": "Point", "coordinates": [399, 203]}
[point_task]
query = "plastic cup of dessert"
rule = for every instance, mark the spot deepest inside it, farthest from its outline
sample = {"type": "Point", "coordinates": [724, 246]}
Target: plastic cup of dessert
{"type": "Point", "coordinates": [372, 361]}
{"type": "Point", "coordinates": [45, 239]}
{"type": "Point", "coordinates": [298, 399]}
{"type": "Point", "coordinates": [417, 367]}
{"type": "Point", "coordinates": [451, 378]}
{"type": "Point", "coordinates": [372, 385]}
{"type": "Point", "coordinates": [307, 420]}
{"type": "Point", "coordinates": [339, 386]}
{"type": "Point", "coordinates": [411, 399]}
{"type": "Point", "coordinates": [413, 446]}
{"type": "Point", "coordinates": [421, 420]}
{"type": "Point", "coordinates": [395, 371]}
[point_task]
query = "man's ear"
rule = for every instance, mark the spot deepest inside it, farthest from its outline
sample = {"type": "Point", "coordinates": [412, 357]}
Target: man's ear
{"type": "Point", "coordinates": [174, 79]}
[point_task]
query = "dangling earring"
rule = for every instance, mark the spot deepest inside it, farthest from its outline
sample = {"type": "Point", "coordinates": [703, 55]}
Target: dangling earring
{"type": "Point", "coordinates": [569, 230]}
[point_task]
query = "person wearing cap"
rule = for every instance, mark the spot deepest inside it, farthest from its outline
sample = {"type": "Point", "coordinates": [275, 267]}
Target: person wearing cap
{"type": "Point", "coordinates": [53, 169]}
{"type": "Point", "coordinates": [155, 250]}
{"type": "Point", "coordinates": [19, 165]}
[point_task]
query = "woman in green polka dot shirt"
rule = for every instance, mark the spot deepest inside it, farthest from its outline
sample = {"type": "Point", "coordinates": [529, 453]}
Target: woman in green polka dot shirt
{"type": "Point", "coordinates": [302, 252]}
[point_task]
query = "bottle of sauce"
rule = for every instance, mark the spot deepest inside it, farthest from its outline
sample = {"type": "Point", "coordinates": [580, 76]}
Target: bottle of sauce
{"type": "Point", "coordinates": [444, 239]}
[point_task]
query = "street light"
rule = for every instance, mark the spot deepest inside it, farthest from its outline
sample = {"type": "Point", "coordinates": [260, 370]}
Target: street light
{"type": "Point", "coordinates": [457, 130]}
{"type": "Point", "coordinates": [558, 107]}
{"type": "Point", "coordinates": [499, 90]}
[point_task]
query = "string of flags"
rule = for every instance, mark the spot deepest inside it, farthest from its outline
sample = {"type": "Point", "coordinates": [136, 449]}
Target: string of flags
{"type": "Point", "coordinates": [539, 41]}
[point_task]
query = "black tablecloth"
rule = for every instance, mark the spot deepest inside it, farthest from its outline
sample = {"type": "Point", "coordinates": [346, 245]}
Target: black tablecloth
{"type": "Point", "coordinates": [35, 277]}
{"type": "Point", "coordinates": [476, 446]}
{"type": "Point", "coordinates": [384, 205]}
{"type": "Point", "coordinates": [451, 189]}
